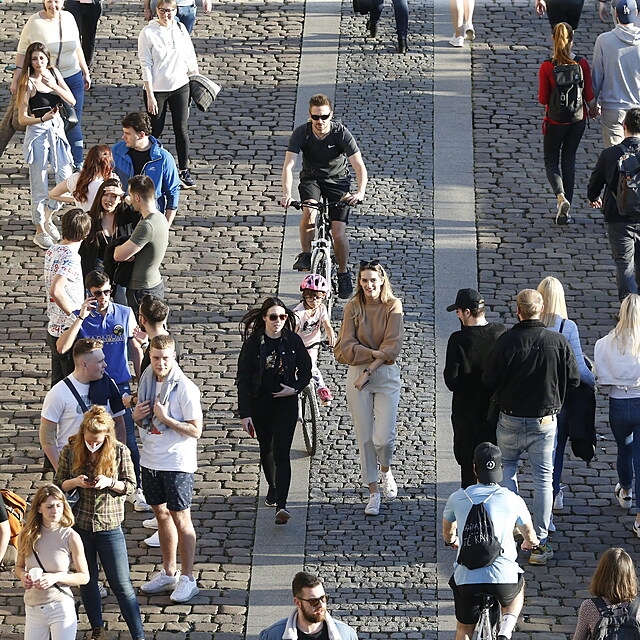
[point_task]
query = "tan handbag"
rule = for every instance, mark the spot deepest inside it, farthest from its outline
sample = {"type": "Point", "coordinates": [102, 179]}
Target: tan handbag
{"type": "Point", "coordinates": [13, 107]}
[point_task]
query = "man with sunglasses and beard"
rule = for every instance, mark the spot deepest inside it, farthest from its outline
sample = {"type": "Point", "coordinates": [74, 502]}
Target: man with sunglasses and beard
{"type": "Point", "coordinates": [310, 618]}
{"type": "Point", "coordinates": [326, 145]}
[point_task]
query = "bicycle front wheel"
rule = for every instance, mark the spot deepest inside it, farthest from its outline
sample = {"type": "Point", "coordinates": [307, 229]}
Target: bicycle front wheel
{"type": "Point", "coordinates": [309, 416]}
{"type": "Point", "coordinates": [321, 264]}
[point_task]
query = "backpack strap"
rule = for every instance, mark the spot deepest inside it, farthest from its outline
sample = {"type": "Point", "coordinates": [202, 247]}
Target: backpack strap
{"type": "Point", "coordinates": [76, 395]}
{"type": "Point", "coordinates": [562, 325]}
{"type": "Point", "coordinates": [483, 501]}
{"type": "Point", "coordinates": [634, 608]}
{"type": "Point", "coordinates": [602, 606]}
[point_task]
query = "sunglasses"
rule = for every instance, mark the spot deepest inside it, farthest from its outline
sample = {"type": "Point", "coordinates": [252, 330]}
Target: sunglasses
{"type": "Point", "coordinates": [314, 602]}
{"type": "Point", "coordinates": [369, 264]}
{"type": "Point", "coordinates": [274, 316]}
{"type": "Point", "coordinates": [102, 292]}
{"type": "Point", "coordinates": [324, 116]}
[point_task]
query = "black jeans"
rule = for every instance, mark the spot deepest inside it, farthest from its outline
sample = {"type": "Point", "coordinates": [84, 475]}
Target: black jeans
{"type": "Point", "coordinates": [624, 239]}
{"type": "Point", "coordinates": [275, 422]}
{"type": "Point", "coordinates": [87, 17]}
{"type": "Point", "coordinates": [561, 141]}
{"type": "Point", "coordinates": [466, 437]}
{"type": "Point", "coordinates": [178, 103]}
{"type": "Point", "coordinates": [564, 11]}
{"type": "Point", "coordinates": [61, 363]}
{"type": "Point", "coordinates": [134, 296]}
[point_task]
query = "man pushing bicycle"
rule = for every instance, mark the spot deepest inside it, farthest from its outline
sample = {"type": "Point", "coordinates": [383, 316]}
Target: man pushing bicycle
{"type": "Point", "coordinates": [326, 146]}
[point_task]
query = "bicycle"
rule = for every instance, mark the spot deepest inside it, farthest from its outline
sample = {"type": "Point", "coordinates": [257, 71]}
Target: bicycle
{"type": "Point", "coordinates": [487, 625]}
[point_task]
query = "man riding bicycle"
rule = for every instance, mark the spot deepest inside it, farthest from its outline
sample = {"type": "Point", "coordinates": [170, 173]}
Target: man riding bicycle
{"type": "Point", "coordinates": [326, 146]}
{"type": "Point", "coordinates": [502, 578]}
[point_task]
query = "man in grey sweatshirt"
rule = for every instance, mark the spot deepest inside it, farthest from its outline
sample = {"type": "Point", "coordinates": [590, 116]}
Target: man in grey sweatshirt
{"type": "Point", "coordinates": [616, 71]}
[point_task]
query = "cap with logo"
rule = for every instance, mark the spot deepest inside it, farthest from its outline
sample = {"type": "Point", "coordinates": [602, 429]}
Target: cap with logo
{"type": "Point", "coordinates": [487, 459]}
{"type": "Point", "coordinates": [626, 10]}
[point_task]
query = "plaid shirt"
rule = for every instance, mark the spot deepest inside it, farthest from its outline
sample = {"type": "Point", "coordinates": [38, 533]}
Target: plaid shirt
{"type": "Point", "coordinates": [99, 510]}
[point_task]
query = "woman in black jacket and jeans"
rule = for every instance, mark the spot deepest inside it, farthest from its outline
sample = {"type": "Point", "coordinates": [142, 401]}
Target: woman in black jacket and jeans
{"type": "Point", "coordinates": [273, 368]}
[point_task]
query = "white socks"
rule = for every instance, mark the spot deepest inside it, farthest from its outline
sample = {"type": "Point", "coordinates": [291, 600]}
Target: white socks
{"type": "Point", "coordinates": [507, 625]}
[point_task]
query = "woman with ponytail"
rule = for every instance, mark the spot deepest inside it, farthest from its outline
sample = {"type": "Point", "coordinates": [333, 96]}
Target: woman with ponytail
{"type": "Point", "coordinates": [564, 120]}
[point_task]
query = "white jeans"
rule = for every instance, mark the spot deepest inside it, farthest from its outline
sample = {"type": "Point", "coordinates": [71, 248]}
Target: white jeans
{"type": "Point", "coordinates": [56, 618]}
{"type": "Point", "coordinates": [612, 131]}
{"type": "Point", "coordinates": [374, 411]}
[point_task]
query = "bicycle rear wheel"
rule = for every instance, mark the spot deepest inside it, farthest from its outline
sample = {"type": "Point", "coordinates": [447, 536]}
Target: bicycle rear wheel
{"type": "Point", "coordinates": [321, 264]}
{"type": "Point", "coordinates": [309, 416]}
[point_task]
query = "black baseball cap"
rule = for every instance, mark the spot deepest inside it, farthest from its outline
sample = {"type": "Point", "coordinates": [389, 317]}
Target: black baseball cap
{"type": "Point", "coordinates": [467, 299]}
{"type": "Point", "coordinates": [487, 459]}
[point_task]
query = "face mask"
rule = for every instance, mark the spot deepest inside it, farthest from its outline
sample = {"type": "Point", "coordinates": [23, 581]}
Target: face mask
{"type": "Point", "coordinates": [93, 447]}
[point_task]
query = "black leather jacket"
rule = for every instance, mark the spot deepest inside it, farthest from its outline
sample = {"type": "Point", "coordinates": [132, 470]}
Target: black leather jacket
{"type": "Point", "coordinates": [295, 360]}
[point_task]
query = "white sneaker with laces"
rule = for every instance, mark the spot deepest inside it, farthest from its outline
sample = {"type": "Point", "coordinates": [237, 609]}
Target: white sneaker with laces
{"type": "Point", "coordinates": [623, 500]}
{"type": "Point", "coordinates": [558, 502]}
{"type": "Point", "coordinates": [138, 501]}
{"type": "Point", "coordinates": [151, 523]}
{"type": "Point", "coordinates": [185, 590]}
{"type": "Point", "coordinates": [161, 582]}
{"type": "Point", "coordinates": [469, 31]}
{"type": "Point", "coordinates": [52, 230]}
{"type": "Point", "coordinates": [457, 41]}
{"type": "Point", "coordinates": [389, 486]}
{"type": "Point", "coordinates": [373, 506]}
{"type": "Point", "coordinates": [153, 541]}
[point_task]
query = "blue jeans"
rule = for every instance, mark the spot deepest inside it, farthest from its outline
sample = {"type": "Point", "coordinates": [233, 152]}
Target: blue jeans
{"type": "Point", "coordinates": [515, 436]}
{"type": "Point", "coordinates": [624, 240]}
{"type": "Point", "coordinates": [401, 12]}
{"type": "Point", "coordinates": [132, 442]}
{"type": "Point", "coordinates": [624, 420]}
{"type": "Point", "coordinates": [561, 443]}
{"type": "Point", "coordinates": [76, 85]}
{"type": "Point", "coordinates": [112, 549]}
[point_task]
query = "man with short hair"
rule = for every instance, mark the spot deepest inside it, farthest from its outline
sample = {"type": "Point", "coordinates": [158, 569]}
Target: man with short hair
{"type": "Point", "coordinates": [614, 72]}
{"type": "Point", "coordinates": [66, 402]}
{"type": "Point", "coordinates": [63, 283]}
{"type": "Point", "coordinates": [169, 412]}
{"type": "Point", "coordinates": [147, 244]}
{"type": "Point", "coordinates": [326, 146]}
{"type": "Point", "coordinates": [139, 153]}
{"type": "Point", "coordinates": [310, 618]}
{"type": "Point", "coordinates": [529, 371]}
{"type": "Point", "coordinates": [467, 353]}
{"type": "Point", "coordinates": [152, 318]}
{"type": "Point", "coordinates": [503, 577]}
{"type": "Point", "coordinates": [623, 231]}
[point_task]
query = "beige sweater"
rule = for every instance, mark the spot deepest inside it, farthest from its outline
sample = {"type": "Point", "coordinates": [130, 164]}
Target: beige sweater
{"type": "Point", "coordinates": [381, 329]}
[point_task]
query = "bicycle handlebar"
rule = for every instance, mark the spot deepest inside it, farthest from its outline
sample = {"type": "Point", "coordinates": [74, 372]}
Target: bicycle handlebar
{"type": "Point", "coordinates": [320, 343]}
{"type": "Point", "coordinates": [296, 204]}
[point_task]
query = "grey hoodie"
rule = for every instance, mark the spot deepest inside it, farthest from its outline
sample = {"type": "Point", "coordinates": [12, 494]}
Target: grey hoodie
{"type": "Point", "coordinates": [616, 68]}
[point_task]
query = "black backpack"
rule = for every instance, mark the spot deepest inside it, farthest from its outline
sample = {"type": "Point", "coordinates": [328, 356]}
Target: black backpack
{"type": "Point", "coordinates": [616, 622]}
{"type": "Point", "coordinates": [566, 103]}
{"type": "Point", "coordinates": [478, 547]}
{"type": "Point", "coordinates": [628, 188]}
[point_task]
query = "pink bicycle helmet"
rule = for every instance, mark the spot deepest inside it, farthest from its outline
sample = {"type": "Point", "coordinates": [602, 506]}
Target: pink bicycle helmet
{"type": "Point", "coordinates": [315, 282]}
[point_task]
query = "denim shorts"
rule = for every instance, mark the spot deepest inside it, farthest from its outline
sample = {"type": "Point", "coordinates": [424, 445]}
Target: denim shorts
{"type": "Point", "coordinates": [173, 488]}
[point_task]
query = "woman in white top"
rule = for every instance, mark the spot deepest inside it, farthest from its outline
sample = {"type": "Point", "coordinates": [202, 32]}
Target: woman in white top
{"type": "Point", "coordinates": [617, 358]}
{"type": "Point", "coordinates": [58, 31]}
{"type": "Point", "coordinates": [47, 547]}
{"type": "Point", "coordinates": [168, 59]}
{"type": "Point", "coordinates": [80, 188]}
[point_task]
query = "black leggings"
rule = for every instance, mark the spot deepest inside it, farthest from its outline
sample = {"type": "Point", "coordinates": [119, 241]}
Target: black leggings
{"type": "Point", "coordinates": [87, 17]}
{"type": "Point", "coordinates": [178, 103]}
{"type": "Point", "coordinates": [562, 140]}
{"type": "Point", "coordinates": [275, 422]}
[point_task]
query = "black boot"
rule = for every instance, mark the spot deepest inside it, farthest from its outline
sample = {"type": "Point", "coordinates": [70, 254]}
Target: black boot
{"type": "Point", "coordinates": [402, 44]}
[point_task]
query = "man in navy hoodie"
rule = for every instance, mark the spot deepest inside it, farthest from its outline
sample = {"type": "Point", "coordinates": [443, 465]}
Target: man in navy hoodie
{"type": "Point", "coordinates": [139, 153]}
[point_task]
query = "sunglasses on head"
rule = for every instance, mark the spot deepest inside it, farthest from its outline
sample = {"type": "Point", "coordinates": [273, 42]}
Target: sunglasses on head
{"type": "Point", "coordinates": [275, 316]}
{"type": "Point", "coordinates": [369, 264]}
{"type": "Point", "coordinates": [324, 116]}
{"type": "Point", "coordinates": [314, 602]}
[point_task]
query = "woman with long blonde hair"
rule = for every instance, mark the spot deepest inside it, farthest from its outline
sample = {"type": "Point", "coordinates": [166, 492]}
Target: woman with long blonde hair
{"type": "Point", "coordinates": [99, 467]}
{"type": "Point", "coordinates": [370, 341]}
{"type": "Point", "coordinates": [47, 547]}
{"type": "Point", "coordinates": [617, 358]}
{"type": "Point", "coordinates": [563, 126]}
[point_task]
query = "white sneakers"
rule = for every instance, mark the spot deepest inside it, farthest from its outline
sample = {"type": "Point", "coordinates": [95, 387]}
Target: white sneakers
{"type": "Point", "coordinates": [558, 501]}
{"type": "Point", "coordinates": [153, 541]}
{"type": "Point", "coordinates": [52, 230]}
{"type": "Point", "coordinates": [138, 501]}
{"type": "Point", "coordinates": [161, 582]}
{"type": "Point", "coordinates": [373, 506]}
{"type": "Point", "coordinates": [151, 523]}
{"type": "Point", "coordinates": [389, 486]}
{"type": "Point", "coordinates": [624, 500]}
{"type": "Point", "coordinates": [185, 590]}
{"type": "Point", "coordinates": [469, 31]}
{"type": "Point", "coordinates": [456, 41]}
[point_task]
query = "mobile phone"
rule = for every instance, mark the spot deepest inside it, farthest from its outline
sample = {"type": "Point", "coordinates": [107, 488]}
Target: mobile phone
{"type": "Point", "coordinates": [91, 481]}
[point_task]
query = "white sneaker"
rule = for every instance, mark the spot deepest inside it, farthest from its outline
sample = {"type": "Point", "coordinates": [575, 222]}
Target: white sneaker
{"type": "Point", "coordinates": [161, 582]}
{"type": "Point", "coordinates": [389, 486]}
{"type": "Point", "coordinates": [43, 240]}
{"type": "Point", "coordinates": [185, 590]}
{"type": "Point", "coordinates": [625, 501]}
{"type": "Point", "coordinates": [469, 31]}
{"type": "Point", "coordinates": [138, 501]}
{"type": "Point", "coordinates": [373, 506]}
{"type": "Point", "coordinates": [151, 523]}
{"type": "Point", "coordinates": [457, 41]}
{"type": "Point", "coordinates": [558, 501]}
{"type": "Point", "coordinates": [52, 230]}
{"type": "Point", "coordinates": [153, 541]}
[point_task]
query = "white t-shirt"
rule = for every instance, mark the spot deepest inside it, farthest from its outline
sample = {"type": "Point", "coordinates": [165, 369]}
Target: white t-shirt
{"type": "Point", "coordinates": [63, 261]}
{"type": "Point", "coordinates": [310, 326]}
{"type": "Point", "coordinates": [94, 185]}
{"type": "Point", "coordinates": [170, 450]}
{"type": "Point", "coordinates": [60, 406]}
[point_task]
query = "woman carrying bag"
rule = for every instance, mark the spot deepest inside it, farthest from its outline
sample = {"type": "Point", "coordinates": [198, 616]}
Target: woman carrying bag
{"type": "Point", "coordinates": [47, 547]}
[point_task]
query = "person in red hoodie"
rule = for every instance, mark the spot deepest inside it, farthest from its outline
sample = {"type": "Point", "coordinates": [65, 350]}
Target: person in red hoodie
{"type": "Point", "coordinates": [565, 115]}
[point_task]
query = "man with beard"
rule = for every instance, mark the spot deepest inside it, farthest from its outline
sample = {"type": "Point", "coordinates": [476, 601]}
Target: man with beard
{"type": "Point", "coordinates": [310, 618]}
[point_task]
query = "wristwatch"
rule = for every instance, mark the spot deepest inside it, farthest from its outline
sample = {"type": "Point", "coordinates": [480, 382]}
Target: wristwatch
{"type": "Point", "coordinates": [368, 372]}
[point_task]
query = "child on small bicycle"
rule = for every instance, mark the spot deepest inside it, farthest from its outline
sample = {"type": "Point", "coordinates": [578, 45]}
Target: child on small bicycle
{"type": "Point", "coordinates": [312, 316]}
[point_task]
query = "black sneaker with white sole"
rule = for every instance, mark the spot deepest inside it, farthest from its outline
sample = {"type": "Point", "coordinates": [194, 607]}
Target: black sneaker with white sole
{"type": "Point", "coordinates": [303, 262]}
{"type": "Point", "coordinates": [186, 180]}
{"type": "Point", "coordinates": [345, 288]}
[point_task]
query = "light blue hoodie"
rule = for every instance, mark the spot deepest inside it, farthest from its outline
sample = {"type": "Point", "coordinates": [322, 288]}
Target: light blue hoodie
{"type": "Point", "coordinates": [616, 68]}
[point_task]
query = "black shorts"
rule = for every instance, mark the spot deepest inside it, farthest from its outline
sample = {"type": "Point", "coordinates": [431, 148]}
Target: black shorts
{"type": "Point", "coordinates": [332, 190]}
{"type": "Point", "coordinates": [468, 604]}
{"type": "Point", "coordinates": [173, 488]}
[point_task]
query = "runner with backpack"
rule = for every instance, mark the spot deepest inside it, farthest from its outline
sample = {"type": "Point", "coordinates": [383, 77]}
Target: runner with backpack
{"type": "Point", "coordinates": [565, 88]}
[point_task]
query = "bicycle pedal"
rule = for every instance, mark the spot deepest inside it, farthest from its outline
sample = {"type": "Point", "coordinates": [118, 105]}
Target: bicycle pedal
{"type": "Point", "coordinates": [325, 404]}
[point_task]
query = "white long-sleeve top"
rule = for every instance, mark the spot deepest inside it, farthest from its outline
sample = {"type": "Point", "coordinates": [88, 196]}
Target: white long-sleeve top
{"type": "Point", "coordinates": [166, 56]}
{"type": "Point", "coordinates": [618, 373]}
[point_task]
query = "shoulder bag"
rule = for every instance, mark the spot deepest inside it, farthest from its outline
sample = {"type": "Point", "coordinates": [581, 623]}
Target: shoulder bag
{"type": "Point", "coordinates": [57, 586]}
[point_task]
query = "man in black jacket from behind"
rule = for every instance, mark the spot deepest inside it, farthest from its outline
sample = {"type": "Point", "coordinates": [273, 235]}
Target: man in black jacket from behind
{"type": "Point", "coordinates": [623, 231]}
{"type": "Point", "coordinates": [530, 370]}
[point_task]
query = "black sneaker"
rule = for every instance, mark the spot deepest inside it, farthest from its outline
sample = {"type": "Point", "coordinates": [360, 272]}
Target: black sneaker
{"type": "Point", "coordinates": [186, 180]}
{"type": "Point", "coordinates": [345, 288]}
{"type": "Point", "coordinates": [270, 500]}
{"type": "Point", "coordinates": [303, 262]}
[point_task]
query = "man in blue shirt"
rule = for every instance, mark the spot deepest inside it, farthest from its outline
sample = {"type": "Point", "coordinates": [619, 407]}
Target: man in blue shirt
{"type": "Point", "coordinates": [503, 577]}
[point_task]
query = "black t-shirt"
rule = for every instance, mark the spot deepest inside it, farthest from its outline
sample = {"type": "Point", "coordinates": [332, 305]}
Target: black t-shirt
{"type": "Point", "coordinates": [273, 371]}
{"type": "Point", "coordinates": [105, 390]}
{"type": "Point", "coordinates": [326, 158]}
{"type": "Point", "coordinates": [323, 634]}
{"type": "Point", "coordinates": [139, 159]}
